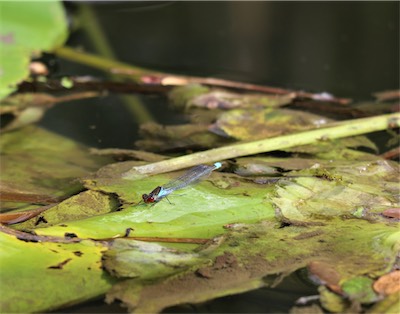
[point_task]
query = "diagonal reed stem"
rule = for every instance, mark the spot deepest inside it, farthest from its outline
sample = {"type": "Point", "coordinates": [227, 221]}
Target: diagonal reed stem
{"type": "Point", "coordinates": [332, 131]}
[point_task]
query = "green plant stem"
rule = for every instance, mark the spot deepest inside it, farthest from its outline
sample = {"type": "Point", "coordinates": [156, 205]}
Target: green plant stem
{"type": "Point", "coordinates": [95, 31]}
{"type": "Point", "coordinates": [96, 34]}
{"type": "Point", "coordinates": [333, 131]}
{"type": "Point", "coordinates": [107, 65]}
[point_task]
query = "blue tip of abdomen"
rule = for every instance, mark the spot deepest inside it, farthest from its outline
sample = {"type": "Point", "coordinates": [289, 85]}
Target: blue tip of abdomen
{"type": "Point", "coordinates": [217, 165]}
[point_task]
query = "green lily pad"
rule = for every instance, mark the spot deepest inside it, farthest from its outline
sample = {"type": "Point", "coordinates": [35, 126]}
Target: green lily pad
{"type": "Point", "coordinates": [253, 230]}
{"type": "Point", "coordinates": [26, 29]}
{"type": "Point", "coordinates": [249, 253]}
{"type": "Point", "coordinates": [53, 276]}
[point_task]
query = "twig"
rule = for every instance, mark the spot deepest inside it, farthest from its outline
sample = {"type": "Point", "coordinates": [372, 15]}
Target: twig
{"type": "Point", "coordinates": [97, 62]}
{"type": "Point", "coordinates": [91, 84]}
{"type": "Point", "coordinates": [146, 76]}
{"type": "Point", "coordinates": [35, 237]}
{"type": "Point", "coordinates": [160, 239]}
{"type": "Point", "coordinates": [333, 131]}
{"type": "Point", "coordinates": [43, 238]}
{"type": "Point", "coordinates": [387, 95]}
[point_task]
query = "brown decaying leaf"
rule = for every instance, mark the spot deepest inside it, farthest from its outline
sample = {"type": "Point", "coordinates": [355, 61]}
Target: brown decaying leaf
{"type": "Point", "coordinates": [326, 273]}
{"type": "Point", "coordinates": [17, 217]}
{"type": "Point", "coordinates": [392, 212]}
{"type": "Point", "coordinates": [11, 196]}
{"type": "Point", "coordinates": [388, 284]}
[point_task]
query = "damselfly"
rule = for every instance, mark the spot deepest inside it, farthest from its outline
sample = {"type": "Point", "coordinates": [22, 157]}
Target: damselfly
{"type": "Point", "coordinates": [191, 176]}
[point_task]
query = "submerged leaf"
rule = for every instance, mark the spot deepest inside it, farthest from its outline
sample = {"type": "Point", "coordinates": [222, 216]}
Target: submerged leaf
{"type": "Point", "coordinates": [38, 162]}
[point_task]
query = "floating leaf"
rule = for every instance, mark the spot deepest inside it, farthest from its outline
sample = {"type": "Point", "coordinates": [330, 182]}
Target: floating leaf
{"type": "Point", "coordinates": [146, 261]}
{"type": "Point", "coordinates": [339, 192]}
{"type": "Point", "coordinates": [388, 284]}
{"type": "Point", "coordinates": [26, 29]}
{"type": "Point", "coordinates": [36, 161]}
{"type": "Point", "coordinates": [190, 96]}
{"type": "Point", "coordinates": [180, 96]}
{"type": "Point", "coordinates": [187, 136]}
{"type": "Point", "coordinates": [253, 124]}
{"type": "Point", "coordinates": [360, 289]}
{"type": "Point", "coordinates": [83, 205]}
{"type": "Point", "coordinates": [54, 275]}
{"type": "Point", "coordinates": [332, 301]}
{"type": "Point", "coordinates": [20, 216]}
{"type": "Point", "coordinates": [248, 239]}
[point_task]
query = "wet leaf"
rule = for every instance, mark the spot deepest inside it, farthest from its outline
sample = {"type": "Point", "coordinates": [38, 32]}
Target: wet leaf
{"type": "Point", "coordinates": [124, 154]}
{"type": "Point", "coordinates": [334, 146]}
{"type": "Point", "coordinates": [83, 205]}
{"type": "Point", "coordinates": [168, 138]}
{"type": "Point", "coordinates": [250, 253]}
{"type": "Point", "coordinates": [20, 216]}
{"type": "Point", "coordinates": [37, 277]}
{"type": "Point", "coordinates": [187, 97]}
{"type": "Point", "coordinates": [339, 193]}
{"type": "Point", "coordinates": [146, 261]}
{"type": "Point", "coordinates": [254, 167]}
{"type": "Point", "coordinates": [248, 238]}
{"type": "Point", "coordinates": [392, 212]}
{"type": "Point", "coordinates": [26, 29]}
{"type": "Point", "coordinates": [253, 124]}
{"type": "Point", "coordinates": [388, 284]}
{"type": "Point", "coordinates": [332, 301]}
{"type": "Point", "coordinates": [326, 274]}
{"type": "Point", "coordinates": [390, 304]}
{"type": "Point", "coordinates": [38, 162]}
{"type": "Point", "coordinates": [360, 289]}
{"type": "Point", "coordinates": [311, 309]}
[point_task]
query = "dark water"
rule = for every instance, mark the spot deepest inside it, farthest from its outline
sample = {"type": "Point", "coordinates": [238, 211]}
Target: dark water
{"type": "Point", "coordinates": [350, 49]}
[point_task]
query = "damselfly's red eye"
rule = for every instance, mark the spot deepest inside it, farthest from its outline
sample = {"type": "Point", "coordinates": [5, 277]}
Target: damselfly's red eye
{"type": "Point", "coordinates": [148, 198]}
